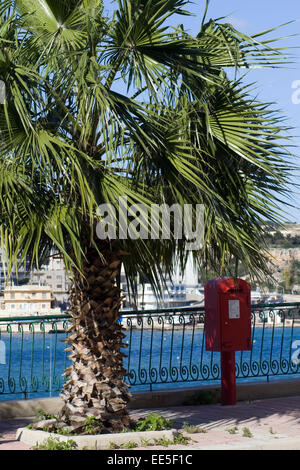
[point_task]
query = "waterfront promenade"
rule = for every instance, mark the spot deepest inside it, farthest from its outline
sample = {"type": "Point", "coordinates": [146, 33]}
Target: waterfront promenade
{"type": "Point", "coordinates": [274, 424]}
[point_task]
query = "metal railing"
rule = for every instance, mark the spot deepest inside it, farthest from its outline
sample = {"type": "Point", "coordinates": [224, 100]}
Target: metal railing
{"type": "Point", "coordinates": [165, 348]}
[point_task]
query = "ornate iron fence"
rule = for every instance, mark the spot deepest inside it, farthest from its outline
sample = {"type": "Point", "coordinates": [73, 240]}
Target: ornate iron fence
{"type": "Point", "coordinates": [33, 355]}
{"type": "Point", "coordinates": [165, 348]}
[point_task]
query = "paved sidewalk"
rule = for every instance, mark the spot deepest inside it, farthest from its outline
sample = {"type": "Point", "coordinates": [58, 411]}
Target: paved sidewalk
{"type": "Point", "coordinates": [273, 424]}
{"type": "Point", "coordinates": [8, 434]}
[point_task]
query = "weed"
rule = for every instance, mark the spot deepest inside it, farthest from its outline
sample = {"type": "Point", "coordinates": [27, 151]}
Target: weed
{"type": "Point", "coordinates": [113, 446]}
{"type": "Point", "coordinates": [181, 439]}
{"type": "Point", "coordinates": [162, 441]}
{"type": "Point", "coordinates": [233, 430]}
{"type": "Point", "coordinates": [247, 432]}
{"type": "Point", "coordinates": [153, 422]}
{"type": "Point", "coordinates": [145, 443]}
{"type": "Point", "coordinates": [65, 432]}
{"type": "Point", "coordinates": [90, 425]}
{"type": "Point", "coordinates": [41, 415]}
{"type": "Point", "coordinates": [129, 445]}
{"type": "Point", "coordinates": [190, 429]}
{"type": "Point", "coordinates": [53, 443]}
{"type": "Point", "coordinates": [271, 431]}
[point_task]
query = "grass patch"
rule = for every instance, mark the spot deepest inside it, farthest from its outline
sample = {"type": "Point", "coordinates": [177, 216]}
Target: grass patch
{"type": "Point", "coordinates": [41, 415]}
{"type": "Point", "coordinates": [129, 445]}
{"type": "Point", "coordinates": [53, 443]}
{"type": "Point", "coordinates": [191, 429]}
{"type": "Point", "coordinates": [153, 422]}
{"type": "Point", "coordinates": [145, 443]}
{"type": "Point", "coordinates": [179, 439]}
{"type": "Point", "coordinates": [162, 441]}
{"type": "Point", "coordinates": [90, 425]}
{"type": "Point", "coordinates": [233, 430]}
{"type": "Point", "coordinates": [113, 446]}
{"type": "Point", "coordinates": [247, 432]}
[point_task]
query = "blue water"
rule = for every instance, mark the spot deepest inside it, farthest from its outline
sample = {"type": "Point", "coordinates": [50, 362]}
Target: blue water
{"type": "Point", "coordinates": [155, 361]}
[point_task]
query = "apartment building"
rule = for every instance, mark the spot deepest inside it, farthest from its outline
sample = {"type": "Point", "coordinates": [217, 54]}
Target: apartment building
{"type": "Point", "coordinates": [27, 300]}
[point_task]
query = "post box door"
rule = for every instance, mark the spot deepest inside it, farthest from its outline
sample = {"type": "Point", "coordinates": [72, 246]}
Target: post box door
{"type": "Point", "coordinates": [235, 319]}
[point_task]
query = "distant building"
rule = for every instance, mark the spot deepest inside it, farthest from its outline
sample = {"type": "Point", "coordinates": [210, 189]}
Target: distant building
{"type": "Point", "coordinates": [53, 275]}
{"type": "Point", "coordinates": [296, 289]}
{"type": "Point", "coordinates": [180, 291]}
{"type": "Point", "coordinates": [27, 300]}
{"type": "Point", "coordinates": [20, 275]}
{"type": "Point", "coordinates": [174, 296]}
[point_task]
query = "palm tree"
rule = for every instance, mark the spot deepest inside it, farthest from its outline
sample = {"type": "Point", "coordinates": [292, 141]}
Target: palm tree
{"type": "Point", "coordinates": [97, 109]}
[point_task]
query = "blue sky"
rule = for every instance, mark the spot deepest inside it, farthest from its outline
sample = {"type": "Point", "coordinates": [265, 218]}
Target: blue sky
{"type": "Point", "coordinates": [273, 85]}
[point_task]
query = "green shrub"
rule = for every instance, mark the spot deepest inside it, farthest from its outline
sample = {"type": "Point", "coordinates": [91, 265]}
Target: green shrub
{"type": "Point", "coordinates": [91, 425]}
{"type": "Point", "coordinates": [153, 422]}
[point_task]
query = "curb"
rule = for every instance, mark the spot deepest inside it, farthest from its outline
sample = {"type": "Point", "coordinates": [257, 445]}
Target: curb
{"type": "Point", "coordinates": [95, 442]}
{"type": "Point", "coordinates": [162, 398]}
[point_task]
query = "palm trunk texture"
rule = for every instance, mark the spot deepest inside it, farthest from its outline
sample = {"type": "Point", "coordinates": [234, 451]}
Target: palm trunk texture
{"type": "Point", "coordinates": [94, 385]}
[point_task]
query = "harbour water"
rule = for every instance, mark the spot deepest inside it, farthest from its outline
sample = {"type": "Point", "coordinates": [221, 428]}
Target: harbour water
{"type": "Point", "coordinates": [35, 362]}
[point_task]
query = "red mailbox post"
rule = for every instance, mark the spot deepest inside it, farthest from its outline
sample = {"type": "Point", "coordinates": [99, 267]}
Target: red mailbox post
{"type": "Point", "coordinates": [227, 327]}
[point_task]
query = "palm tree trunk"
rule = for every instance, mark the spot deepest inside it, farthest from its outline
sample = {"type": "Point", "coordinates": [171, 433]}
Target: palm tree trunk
{"type": "Point", "coordinates": [95, 386]}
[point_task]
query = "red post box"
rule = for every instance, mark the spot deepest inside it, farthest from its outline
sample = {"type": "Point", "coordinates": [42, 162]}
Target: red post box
{"type": "Point", "coordinates": [227, 326]}
{"type": "Point", "coordinates": [227, 315]}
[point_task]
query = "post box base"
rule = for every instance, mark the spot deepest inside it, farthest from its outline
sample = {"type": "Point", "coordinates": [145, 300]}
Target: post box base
{"type": "Point", "coordinates": [228, 380]}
